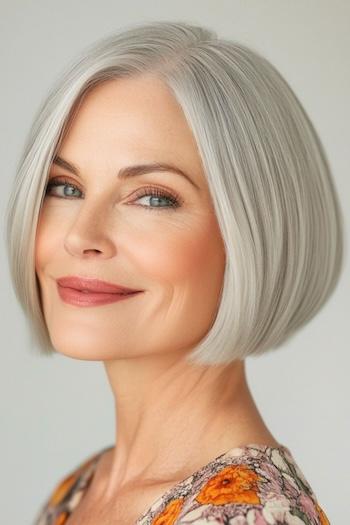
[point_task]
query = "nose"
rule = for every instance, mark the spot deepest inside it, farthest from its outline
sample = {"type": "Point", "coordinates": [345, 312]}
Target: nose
{"type": "Point", "coordinates": [89, 234]}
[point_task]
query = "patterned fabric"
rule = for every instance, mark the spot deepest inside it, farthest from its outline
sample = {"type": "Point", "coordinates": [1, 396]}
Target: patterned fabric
{"type": "Point", "coordinates": [250, 485]}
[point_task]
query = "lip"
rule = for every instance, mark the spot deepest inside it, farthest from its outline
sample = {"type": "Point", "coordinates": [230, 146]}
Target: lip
{"type": "Point", "coordinates": [87, 286]}
{"type": "Point", "coordinates": [79, 298]}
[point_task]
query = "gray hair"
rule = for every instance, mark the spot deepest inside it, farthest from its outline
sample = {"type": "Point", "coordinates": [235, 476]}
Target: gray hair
{"type": "Point", "coordinates": [267, 172]}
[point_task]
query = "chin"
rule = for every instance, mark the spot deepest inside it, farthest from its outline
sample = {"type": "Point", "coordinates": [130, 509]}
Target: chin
{"type": "Point", "coordinates": [88, 351]}
{"type": "Point", "coordinates": [77, 353]}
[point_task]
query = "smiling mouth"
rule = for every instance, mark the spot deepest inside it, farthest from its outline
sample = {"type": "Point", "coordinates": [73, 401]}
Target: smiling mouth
{"type": "Point", "coordinates": [95, 292]}
{"type": "Point", "coordinates": [85, 297]}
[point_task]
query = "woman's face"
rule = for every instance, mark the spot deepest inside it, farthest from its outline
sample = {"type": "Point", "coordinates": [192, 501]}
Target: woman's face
{"type": "Point", "coordinates": [155, 231]}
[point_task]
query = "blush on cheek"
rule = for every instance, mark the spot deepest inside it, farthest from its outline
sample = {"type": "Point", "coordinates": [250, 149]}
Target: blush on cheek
{"type": "Point", "coordinates": [195, 255]}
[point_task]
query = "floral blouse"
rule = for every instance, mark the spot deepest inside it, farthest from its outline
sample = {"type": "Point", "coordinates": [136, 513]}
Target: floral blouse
{"type": "Point", "coordinates": [248, 485]}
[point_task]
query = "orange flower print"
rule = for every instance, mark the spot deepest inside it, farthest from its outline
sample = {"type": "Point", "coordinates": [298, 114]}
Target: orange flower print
{"type": "Point", "coordinates": [323, 518]}
{"type": "Point", "coordinates": [233, 484]}
{"type": "Point", "coordinates": [64, 486]}
{"type": "Point", "coordinates": [170, 513]}
{"type": "Point", "coordinates": [61, 518]}
{"type": "Point", "coordinates": [62, 489]}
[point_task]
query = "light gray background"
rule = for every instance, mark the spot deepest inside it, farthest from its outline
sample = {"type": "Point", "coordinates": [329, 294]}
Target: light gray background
{"type": "Point", "coordinates": [55, 412]}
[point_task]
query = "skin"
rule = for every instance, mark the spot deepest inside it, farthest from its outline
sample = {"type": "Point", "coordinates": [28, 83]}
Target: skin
{"type": "Point", "coordinates": [171, 417]}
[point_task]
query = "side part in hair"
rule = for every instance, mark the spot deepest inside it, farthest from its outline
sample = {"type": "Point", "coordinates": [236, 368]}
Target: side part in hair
{"type": "Point", "coordinates": [267, 172]}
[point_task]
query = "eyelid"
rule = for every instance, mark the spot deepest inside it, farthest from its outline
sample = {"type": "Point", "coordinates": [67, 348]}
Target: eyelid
{"type": "Point", "coordinates": [156, 185]}
{"type": "Point", "coordinates": [170, 194]}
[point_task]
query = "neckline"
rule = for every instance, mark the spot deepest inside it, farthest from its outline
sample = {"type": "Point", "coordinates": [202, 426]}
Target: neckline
{"type": "Point", "coordinates": [234, 451]}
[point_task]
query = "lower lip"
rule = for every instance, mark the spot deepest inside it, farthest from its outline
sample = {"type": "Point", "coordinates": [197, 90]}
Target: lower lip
{"type": "Point", "coordinates": [78, 298]}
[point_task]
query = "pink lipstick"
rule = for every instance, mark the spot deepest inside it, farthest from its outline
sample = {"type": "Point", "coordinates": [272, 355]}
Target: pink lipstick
{"type": "Point", "coordinates": [83, 291]}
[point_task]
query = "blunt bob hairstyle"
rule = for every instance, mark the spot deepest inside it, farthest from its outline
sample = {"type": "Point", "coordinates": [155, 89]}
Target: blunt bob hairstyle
{"type": "Point", "coordinates": [267, 172]}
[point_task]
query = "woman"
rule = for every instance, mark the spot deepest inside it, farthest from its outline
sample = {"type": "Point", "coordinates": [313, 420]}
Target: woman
{"type": "Point", "coordinates": [185, 218]}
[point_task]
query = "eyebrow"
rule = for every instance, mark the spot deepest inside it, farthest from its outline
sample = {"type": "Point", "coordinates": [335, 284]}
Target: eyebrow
{"type": "Point", "coordinates": [131, 171]}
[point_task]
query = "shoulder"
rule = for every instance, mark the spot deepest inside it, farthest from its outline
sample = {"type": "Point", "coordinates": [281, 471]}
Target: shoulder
{"type": "Point", "coordinates": [60, 500]}
{"type": "Point", "coordinates": [255, 486]}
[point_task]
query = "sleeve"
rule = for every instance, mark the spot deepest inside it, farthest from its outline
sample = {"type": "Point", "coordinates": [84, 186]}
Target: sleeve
{"type": "Point", "coordinates": [57, 503]}
{"type": "Point", "coordinates": [277, 511]}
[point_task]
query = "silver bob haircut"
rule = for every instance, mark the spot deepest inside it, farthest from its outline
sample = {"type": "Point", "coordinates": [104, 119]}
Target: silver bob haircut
{"type": "Point", "coordinates": [267, 172]}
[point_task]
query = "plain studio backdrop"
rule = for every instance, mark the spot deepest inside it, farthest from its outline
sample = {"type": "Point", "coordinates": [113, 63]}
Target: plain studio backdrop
{"type": "Point", "coordinates": [56, 411]}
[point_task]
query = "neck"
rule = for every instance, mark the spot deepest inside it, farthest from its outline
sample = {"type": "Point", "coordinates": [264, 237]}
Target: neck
{"type": "Point", "coordinates": [173, 417]}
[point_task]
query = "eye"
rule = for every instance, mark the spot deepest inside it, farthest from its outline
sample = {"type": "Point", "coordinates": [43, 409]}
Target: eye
{"type": "Point", "coordinates": [58, 182]}
{"type": "Point", "coordinates": [154, 194]}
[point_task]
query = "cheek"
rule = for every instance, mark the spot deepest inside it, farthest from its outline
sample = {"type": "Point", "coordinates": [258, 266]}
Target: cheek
{"type": "Point", "coordinates": [191, 255]}
{"type": "Point", "coordinates": [49, 239]}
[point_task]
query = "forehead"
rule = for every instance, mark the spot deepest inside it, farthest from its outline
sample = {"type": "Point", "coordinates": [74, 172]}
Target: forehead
{"type": "Point", "coordinates": [130, 117]}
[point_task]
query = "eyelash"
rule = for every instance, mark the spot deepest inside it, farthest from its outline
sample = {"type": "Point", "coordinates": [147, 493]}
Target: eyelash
{"type": "Point", "coordinates": [175, 199]}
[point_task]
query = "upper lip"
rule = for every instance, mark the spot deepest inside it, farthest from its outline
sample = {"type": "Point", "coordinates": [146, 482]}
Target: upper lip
{"type": "Point", "coordinates": [92, 285]}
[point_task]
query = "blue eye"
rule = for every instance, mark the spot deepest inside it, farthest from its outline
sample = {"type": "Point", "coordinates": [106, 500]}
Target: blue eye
{"type": "Point", "coordinates": [154, 194]}
{"type": "Point", "coordinates": [157, 195]}
{"type": "Point", "coordinates": [60, 182]}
